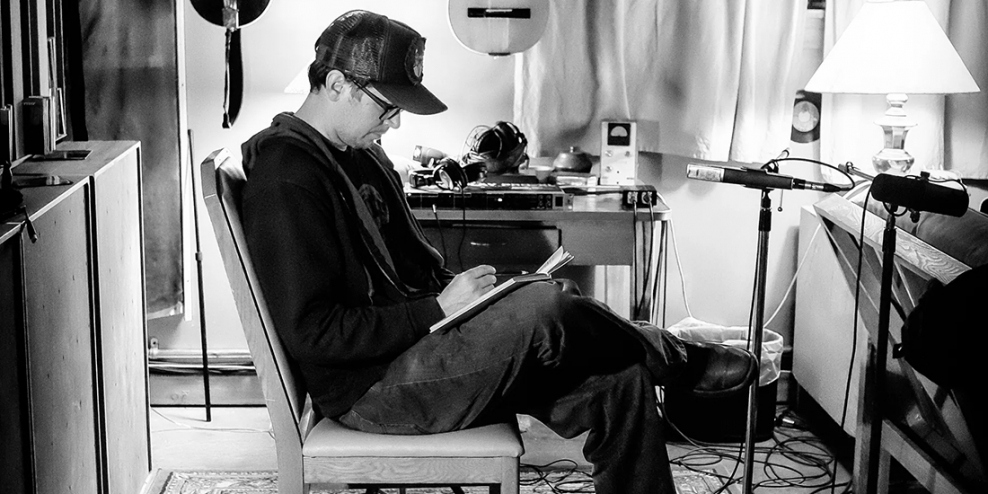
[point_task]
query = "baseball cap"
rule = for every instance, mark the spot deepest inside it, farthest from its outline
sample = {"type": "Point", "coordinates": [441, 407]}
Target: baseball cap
{"type": "Point", "coordinates": [372, 48]}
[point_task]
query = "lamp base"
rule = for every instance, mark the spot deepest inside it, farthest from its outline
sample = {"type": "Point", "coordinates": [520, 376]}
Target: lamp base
{"type": "Point", "coordinates": [895, 125]}
{"type": "Point", "coordinates": [891, 159]}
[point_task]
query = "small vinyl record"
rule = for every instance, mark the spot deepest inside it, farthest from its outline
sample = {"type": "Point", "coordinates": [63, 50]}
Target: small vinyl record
{"type": "Point", "coordinates": [806, 117]}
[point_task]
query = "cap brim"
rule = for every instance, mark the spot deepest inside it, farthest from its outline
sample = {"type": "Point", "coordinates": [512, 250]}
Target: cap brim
{"type": "Point", "coordinates": [413, 99]}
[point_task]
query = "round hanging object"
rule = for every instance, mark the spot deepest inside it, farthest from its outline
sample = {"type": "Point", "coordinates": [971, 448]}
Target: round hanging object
{"type": "Point", "coordinates": [806, 117]}
{"type": "Point", "coordinates": [212, 10]}
{"type": "Point", "coordinates": [498, 27]}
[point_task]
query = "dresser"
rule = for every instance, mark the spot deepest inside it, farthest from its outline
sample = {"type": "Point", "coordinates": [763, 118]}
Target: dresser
{"type": "Point", "coordinates": [73, 366]}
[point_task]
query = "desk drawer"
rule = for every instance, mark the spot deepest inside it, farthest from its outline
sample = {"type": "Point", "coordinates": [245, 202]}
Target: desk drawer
{"type": "Point", "coordinates": [509, 248]}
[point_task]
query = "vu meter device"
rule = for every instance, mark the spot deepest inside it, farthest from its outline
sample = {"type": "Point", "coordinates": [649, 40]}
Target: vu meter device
{"type": "Point", "coordinates": [618, 153]}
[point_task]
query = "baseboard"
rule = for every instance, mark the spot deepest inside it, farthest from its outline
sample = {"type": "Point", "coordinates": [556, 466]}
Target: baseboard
{"type": "Point", "coordinates": [155, 481]}
{"type": "Point", "coordinates": [241, 389]}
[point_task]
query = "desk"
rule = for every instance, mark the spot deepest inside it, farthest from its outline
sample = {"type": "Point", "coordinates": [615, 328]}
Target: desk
{"type": "Point", "coordinates": [598, 231]}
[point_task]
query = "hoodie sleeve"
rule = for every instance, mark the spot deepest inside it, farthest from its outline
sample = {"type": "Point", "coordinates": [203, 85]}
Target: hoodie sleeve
{"type": "Point", "coordinates": [313, 276]}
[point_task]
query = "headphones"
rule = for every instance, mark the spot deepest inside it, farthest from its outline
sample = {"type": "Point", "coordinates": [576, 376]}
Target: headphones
{"type": "Point", "coordinates": [502, 147]}
{"type": "Point", "coordinates": [448, 175]}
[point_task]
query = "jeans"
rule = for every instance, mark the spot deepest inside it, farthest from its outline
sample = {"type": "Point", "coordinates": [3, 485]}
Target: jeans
{"type": "Point", "coordinates": [548, 352]}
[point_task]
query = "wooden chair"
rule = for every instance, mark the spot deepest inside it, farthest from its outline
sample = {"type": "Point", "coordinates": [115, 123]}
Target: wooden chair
{"type": "Point", "coordinates": [321, 451]}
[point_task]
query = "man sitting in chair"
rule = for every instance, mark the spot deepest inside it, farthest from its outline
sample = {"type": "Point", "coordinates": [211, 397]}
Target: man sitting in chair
{"type": "Point", "coordinates": [353, 288]}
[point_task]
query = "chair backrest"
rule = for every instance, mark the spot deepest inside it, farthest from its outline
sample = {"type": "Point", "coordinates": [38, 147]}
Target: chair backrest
{"type": "Point", "coordinates": [223, 181]}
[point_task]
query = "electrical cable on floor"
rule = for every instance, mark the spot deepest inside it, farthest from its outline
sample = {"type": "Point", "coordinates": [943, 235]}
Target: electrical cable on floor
{"type": "Point", "coordinates": [568, 480]}
{"type": "Point", "coordinates": [182, 426]}
{"type": "Point", "coordinates": [797, 445]}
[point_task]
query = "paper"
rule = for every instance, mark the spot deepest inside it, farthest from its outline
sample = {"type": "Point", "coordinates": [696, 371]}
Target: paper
{"type": "Point", "coordinates": [558, 259]}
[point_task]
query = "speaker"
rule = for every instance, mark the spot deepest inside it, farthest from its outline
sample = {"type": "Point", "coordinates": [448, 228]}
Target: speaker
{"type": "Point", "coordinates": [806, 117]}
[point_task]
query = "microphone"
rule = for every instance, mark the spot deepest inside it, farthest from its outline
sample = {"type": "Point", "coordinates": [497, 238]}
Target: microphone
{"type": "Point", "coordinates": [919, 194]}
{"type": "Point", "coordinates": [755, 178]}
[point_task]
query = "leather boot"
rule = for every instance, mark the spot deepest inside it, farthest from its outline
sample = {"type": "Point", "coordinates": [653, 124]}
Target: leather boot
{"type": "Point", "coordinates": [714, 370]}
{"type": "Point", "coordinates": [711, 369]}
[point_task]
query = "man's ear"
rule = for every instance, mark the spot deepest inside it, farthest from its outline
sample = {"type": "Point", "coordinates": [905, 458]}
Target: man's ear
{"type": "Point", "coordinates": [335, 84]}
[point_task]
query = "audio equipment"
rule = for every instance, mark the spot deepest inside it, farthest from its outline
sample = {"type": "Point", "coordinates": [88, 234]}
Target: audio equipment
{"type": "Point", "coordinates": [755, 178]}
{"type": "Point", "coordinates": [919, 194]}
{"type": "Point", "coordinates": [639, 196]}
{"type": "Point", "coordinates": [484, 196]}
{"type": "Point", "coordinates": [503, 148]}
{"type": "Point", "coordinates": [447, 174]}
{"type": "Point", "coordinates": [618, 153]}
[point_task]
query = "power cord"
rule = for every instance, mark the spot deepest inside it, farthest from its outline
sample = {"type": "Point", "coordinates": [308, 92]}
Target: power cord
{"type": "Point", "coordinates": [795, 275]}
{"type": "Point", "coordinates": [182, 427]}
{"type": "Point", "coordinates": [795, 459]}
{"type": "Point", "coordinates": [679, 266]}
{"type": "Point", "coordinates": [647, 273]}
{"type": "Point", "coordinates": [566, 480]}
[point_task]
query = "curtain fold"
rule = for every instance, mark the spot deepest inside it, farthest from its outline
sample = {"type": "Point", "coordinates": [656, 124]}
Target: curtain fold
{"type": "Point", "coordinates": [951, 131]}
{"type": "Point", "coordinates": [713, 80]}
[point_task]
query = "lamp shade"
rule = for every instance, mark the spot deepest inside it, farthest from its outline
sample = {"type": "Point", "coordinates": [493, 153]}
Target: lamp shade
{"type": "Point", "coordinates": [893, 47]}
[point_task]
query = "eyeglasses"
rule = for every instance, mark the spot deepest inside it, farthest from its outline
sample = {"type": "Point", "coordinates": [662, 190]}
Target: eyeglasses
{"type": "Point", "coordinates": [390, 110]}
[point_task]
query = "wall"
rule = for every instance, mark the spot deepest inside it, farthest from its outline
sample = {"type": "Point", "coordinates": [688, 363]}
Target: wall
{"type": "Point", "coordinates": [477, 88]}
{"type": "Point", "coordinates": [715, 224]}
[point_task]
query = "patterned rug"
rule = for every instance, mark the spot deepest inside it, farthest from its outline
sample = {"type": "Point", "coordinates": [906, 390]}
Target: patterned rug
{"type": "Point", "coordinates": [532, 482]}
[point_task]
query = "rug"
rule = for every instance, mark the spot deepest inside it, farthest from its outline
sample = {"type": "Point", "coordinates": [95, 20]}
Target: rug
{"type": "Point", "coordinates": [532, 482]}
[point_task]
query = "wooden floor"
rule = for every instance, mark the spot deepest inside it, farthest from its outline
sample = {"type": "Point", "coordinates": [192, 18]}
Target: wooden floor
{"type": "Point", "coordinates": [239, 438]}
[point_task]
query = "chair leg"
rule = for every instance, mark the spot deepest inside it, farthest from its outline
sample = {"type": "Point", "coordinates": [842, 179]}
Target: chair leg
{"type": "Point", "coordinates": [495, 489]}
{"type": "Point", "coordinates": [456, 489]}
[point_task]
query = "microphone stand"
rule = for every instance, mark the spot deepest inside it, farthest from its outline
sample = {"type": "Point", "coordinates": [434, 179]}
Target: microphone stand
{"type": "Point", "coordinates": [201, 293]}
{"type": "Point", "coordinates": [755, 329]}
{"type": "Point", "coordinates": [878, 354]}
{"type": "Point", "coordinates": [755, 334]}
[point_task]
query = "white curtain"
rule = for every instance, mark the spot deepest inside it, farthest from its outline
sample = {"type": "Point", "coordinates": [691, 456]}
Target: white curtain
{"type": "Point", "coordinates": [952, 131]}
{"type": "Point", "coordinates": [711, 79]}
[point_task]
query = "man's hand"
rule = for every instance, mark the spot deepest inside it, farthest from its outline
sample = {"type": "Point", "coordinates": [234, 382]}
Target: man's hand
{"type": "Point", "coordinates": [466, 287]}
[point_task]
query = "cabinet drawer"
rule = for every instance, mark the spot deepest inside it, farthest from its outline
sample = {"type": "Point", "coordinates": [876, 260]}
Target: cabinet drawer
{"type": "Point", "coordinates": [509, 248]}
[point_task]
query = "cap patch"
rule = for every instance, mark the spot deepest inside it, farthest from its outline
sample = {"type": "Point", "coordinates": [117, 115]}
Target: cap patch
{"type": "Point", "coordinates": [414, 59]}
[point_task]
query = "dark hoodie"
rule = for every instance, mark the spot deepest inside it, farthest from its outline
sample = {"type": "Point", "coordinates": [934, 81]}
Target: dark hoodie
{"type": "Point", "coordinates": [344, 299]}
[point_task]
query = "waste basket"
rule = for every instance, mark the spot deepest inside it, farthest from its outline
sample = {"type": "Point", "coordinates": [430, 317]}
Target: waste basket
{"type": "Point", "coordinates": [725, 419]}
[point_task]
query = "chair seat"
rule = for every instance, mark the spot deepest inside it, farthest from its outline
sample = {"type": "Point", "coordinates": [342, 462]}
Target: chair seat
{"type": "Point", "coordinates": [332, 439]}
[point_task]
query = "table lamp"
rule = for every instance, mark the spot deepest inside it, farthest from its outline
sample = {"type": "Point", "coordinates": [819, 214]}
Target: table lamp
{"type": "Point", "coordinates": [893, 47]}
